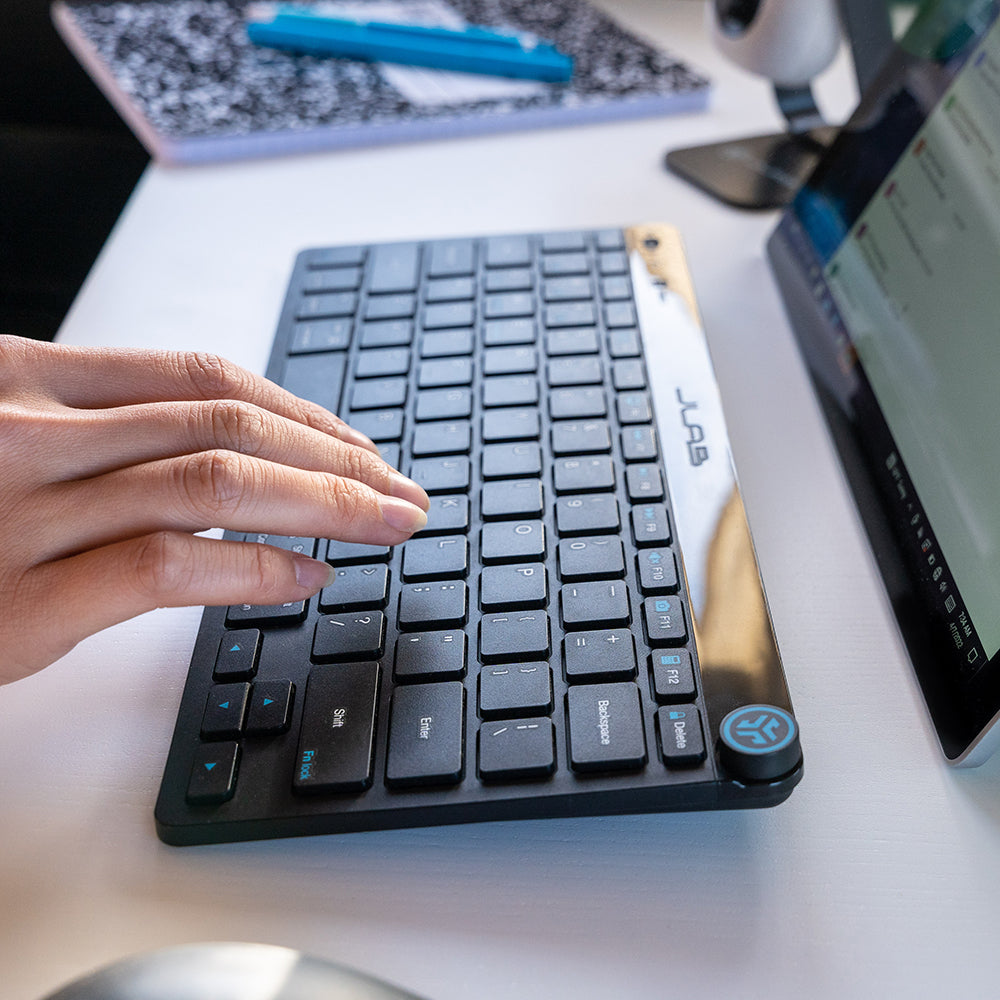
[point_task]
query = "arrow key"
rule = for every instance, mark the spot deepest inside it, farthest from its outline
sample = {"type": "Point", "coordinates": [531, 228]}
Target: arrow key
{"type": "Point", "coordinates": [270, 708]}
{"type": "Point", "coordinates": [213, 773]}
{"type": "Point", "coordinates": [224, 711]}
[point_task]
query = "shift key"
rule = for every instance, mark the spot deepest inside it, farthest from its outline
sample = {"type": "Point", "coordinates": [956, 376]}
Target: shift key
{"type": "Point", "coordinates": [338, 720]}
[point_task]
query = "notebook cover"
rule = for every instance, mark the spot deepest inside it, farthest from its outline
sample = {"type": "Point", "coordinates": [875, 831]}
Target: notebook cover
{"type": "Point", "coordinates": [191, 85]}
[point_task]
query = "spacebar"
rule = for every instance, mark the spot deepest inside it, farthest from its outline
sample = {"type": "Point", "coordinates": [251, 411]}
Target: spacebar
{"type": "Point", "coordinates": [335, 738]}
{"type": "Point", "coordinates": [316, 377]}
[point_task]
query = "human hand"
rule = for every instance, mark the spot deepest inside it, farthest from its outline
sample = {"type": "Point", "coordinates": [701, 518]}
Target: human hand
{"type": "Point", "coordinates": [111, 461]}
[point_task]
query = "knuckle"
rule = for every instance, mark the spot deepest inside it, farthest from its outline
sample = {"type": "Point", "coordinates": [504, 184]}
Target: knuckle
{"type": "Point", "coordinates": [237, 425]}
{"type": "Point", "coordinates": [211, 376]}
{"type": "Point", "coordinates": [211, 482]}
{"type": "Point", "coordinates": [163, 566]}
{"type": "Point", "coordinates": [344, 501]}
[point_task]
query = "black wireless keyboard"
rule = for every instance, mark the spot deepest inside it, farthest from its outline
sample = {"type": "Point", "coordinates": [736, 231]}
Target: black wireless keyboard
{"type": "Point", "coordinates": [544, 647]}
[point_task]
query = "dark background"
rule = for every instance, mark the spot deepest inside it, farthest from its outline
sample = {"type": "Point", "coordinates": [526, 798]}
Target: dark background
{"type": "Point", "coordinates": [67, 166]}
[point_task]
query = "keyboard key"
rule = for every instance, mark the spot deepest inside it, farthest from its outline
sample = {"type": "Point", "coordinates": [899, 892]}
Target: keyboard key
{"type": "Point", "coordinates": [270, 708]}
{"type": "Point", "coordinates": [510, 390]}
{"type": "Point", "coordinates": [520, 635]}
{"type": "Point", "coordinates": [452, 258]}
{"type": "Point", "coordinates": [449, 290]}
{"type": "Point", "coordinates": [575, 371]}
{"type": "Point", "coordinates": [352, 636]}
{"type": "Point", "coordinates": [390, 307]}
{"type": "Point", "coordinates": [335, 257]}
{"type": "Point", "coordinates": [448, 314]}
{"type": "Point", "coordinates": [510, 361]}
{"type": "Point", "coordinates": [595, 603]}
{"type": "Point", "coordinates": [348, 553]}
{"type": "Point", "coordinates": [619, 314]}
{"type": "Point", "coordinates": [443, 558]}
{"type": "Point", "coordinates": [213, 773]}
{"type": "Point", "coordinates": [327, 306]}
{"type": "Point", "coordinates": [624, 344]}
{"type": "Point", "coordinates": [377, 394]}
{"type": "Point", "coordinates": [599, 655]}
{"type": "Point", "coordinates": [657, 571]}
{"type": "Point", "coordinates": [605, 727]}
{"type": "Point", "coordinates": [515, 689]}
{"type": "Point", "coordinates": [511, 424]}
{"type": "Point", "coordinates": [431, 656]}
{"type": "Point", "coordinates": [516, 749]}
{"type": "Point", "coordinates": [650, 524]}
{"type": "Point", "coordinates": [634, 408]}
{"type": "Point", "coordinates": [238, 654]}
{"type": "Point", "coordinates": [319, 381]}
{"type": "Point", "coordinates": [446, 371]}
{"type": "Point", "coordinates": [511, 279]}
{"type": "Point", "coordinates": [444, 404]}
{"type": "Point", "coordinates": [386, 333]}
{"type": "Point", "coordinates": [554, 265]}
{"type": "Point", "coordinates": [563, 242]}
{"type": "Point", "coordinates": [673, 676]}
{"type": "Point", "coordinates": [335, 279]}
{"type": "Point", "coordinates": [627, 375]}
{"type": "Point", "coordinates": [336, 735]}
{"type": "Point", "coordinates": [225, 709]}
{"type": "Point", "coordinates": [512, 498]}
{"type": "Point", "coordinates": [682, 740]}
{"type": "Point", "coordinates": [512, 541]}
{"type": "Point", "coordinates": [382, 362]}
{"type": "Point", "coordinates": [508, 251]}
{"type": "Point", "coordinates": [597, 558]}
{"type": "Point", "coordinates": [446, 344]}
{"type": "Point", "coordinates": [394, 268]}
{"type": "Point", "coordinates": [567, 289]}
{"type": "Point", "coordinates": [587, 515]}
{"type": "Point", "coordinates": [433, 605]}
{"type": "Point", "coordinates": [570, 314]}
{"type": "Point", "coordinates": [264, 615]}
{"type": "Point", "coordinates": [513, 588]}
{"type": "Point", "coordinates": [574, 341]}
{"type": "Point", "coordinates": [506, 305]}
{"type": "Point", "coordinates": [439, 437]}
{"type": "Point", "coordinates": [380, 425]}
{"type": "Point", "coordinates": [426, 735]}
{"type": "Point", "coordinates": [509, 332]}
{"type": "Point", "coordinates": [665, 622]}
{"type": "Point", "coordinates": [321, 335]}
{"type": "Point", "coordinates": [584, 474]}
{"type": "Point", "coordinates": [581, 437]}
{"type": "Point", "coordinates": [644, 482]}
{"type": "Point", "coordinates": [511, 461]}
{"type": "Point", "coordinates": [577, 404]}
{"type": "Point", "coordinates": [639, 444]}
{"type": "Point", "coordinates": [442, 475]}
{"type": "Point", "coordinates": [447, 514]}
{"type": "Point", "coordinates": [356, 588]}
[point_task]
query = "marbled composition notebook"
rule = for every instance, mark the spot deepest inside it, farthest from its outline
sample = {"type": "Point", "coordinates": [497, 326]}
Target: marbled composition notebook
{"type": "Point", "coordinates": [191, 85]}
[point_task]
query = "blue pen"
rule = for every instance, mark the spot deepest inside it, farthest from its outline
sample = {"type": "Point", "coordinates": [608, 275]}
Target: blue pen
{"type": "Point", "coordinates": [470, 50]}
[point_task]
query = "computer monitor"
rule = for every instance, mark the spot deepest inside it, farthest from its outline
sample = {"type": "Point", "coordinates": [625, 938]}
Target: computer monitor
{"type": "Point", "coordinates": [888, 261]}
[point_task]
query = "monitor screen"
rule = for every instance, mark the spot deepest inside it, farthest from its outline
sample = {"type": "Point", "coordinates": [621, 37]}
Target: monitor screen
{"type": "Point", "coordinates": [897, 236]}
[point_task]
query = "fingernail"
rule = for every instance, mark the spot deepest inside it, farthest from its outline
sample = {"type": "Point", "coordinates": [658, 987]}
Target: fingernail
{"type": "Point", "coordinates": [402, 515]}
{"type": "Point", "coordinates": [313, 575]}
{"type": "Point", "coordinates": [407, 489]}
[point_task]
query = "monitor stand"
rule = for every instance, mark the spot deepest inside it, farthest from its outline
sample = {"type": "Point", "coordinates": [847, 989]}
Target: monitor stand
{"type": "Point", "coordinates": [765, 171]}
{"type": "Point", "coordinates": [761, 171]}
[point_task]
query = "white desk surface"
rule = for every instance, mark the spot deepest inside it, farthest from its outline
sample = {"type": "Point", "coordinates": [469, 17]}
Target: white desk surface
{"type": "Point", "coordinates": [878, 878]}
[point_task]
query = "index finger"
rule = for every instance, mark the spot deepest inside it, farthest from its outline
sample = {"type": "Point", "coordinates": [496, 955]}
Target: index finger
{"type": "Point", "coordinates": [103, 378]}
